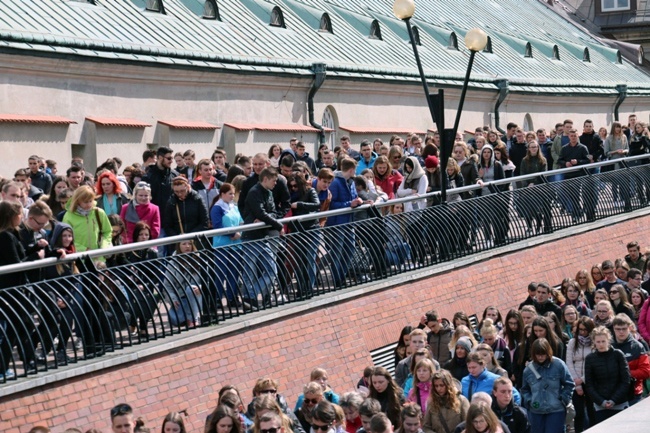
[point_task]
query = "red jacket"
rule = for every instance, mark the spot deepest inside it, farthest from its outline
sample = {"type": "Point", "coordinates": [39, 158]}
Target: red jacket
{"type": "Point", "coordinates": [390, 183]}
{"type": "Point", "coordinates": [644, 321]}
{"type": "Point", "coordinates": [640, 370]}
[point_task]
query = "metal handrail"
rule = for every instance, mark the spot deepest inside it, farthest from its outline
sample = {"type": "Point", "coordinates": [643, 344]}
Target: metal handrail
{"type": "Point", "coordinates": [143, 298]}
{"type": "Point", "coordinates": [18, 267]}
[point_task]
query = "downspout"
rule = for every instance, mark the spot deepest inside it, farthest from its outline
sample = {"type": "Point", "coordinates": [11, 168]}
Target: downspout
{"type": "Point", "coordinates": [504, 90]}
{"type": "Point", "coordinates": [622, 94]}
{"type": "Point", "coordinates": [320, 71]}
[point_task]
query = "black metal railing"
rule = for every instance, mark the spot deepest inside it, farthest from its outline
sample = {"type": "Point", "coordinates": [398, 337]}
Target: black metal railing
{"type": "Point", "coordinates": [51, 323]}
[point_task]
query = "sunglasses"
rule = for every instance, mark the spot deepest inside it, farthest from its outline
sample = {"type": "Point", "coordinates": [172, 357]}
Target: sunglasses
{"type": "Point", "coordinates": [321, 427]}
{"type": "Point", "coordinates": [121, 409]}
{"type": "Point", "coordinates": [271, 430]}
{"type": "Point", "coordinates": [268, 391]}
{"type": "Point", "coordinates": [311, 401]}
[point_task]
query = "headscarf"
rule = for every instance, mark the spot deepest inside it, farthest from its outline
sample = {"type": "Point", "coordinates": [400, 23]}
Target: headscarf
{"type": "Point", "coordinates": [411, 179]}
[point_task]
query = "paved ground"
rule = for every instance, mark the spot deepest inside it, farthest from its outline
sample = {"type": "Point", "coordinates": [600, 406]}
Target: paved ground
{"type": "Point", "coordinates": [633, 420]}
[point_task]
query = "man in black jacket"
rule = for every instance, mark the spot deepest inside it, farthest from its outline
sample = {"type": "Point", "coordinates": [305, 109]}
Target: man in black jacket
{"type": "Point", "coordinates": [572, 155]}
{"type": "Point", "coordinates": [260, 269]}
{"type": "Point", "coordinates": [184, 212]}
{"type": "Point", "coordinates": [518, 149]}
{"type": "Point", "coordinates": [160, 176]}
{"type": "Point", "coordinates": [281, 196]}
{"type": "Point", "coordinates": [510, 413]}
{"type": "Point", "coordinates": [592, 140]}
{"type": "Point", "coordinates": [543, 302]}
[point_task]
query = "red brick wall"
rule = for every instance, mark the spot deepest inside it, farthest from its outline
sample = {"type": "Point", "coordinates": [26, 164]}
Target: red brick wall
{"type": "Point", "coordinates": [337, 338]}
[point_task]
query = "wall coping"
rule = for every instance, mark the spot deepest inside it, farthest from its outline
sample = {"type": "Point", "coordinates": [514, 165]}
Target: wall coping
{"type": "Point", "coordinates": [178, 342]}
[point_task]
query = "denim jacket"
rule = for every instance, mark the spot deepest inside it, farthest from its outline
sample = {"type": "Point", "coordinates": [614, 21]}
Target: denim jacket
{"type": "Point", "coordinates": [552, 391]}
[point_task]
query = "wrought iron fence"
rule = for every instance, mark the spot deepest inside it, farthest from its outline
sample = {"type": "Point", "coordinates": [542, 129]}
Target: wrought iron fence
{"type": "Point", "coordinates": [51, 323]}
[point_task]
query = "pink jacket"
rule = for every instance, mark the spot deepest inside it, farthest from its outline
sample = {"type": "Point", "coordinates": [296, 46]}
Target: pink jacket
{"type": "Point", "coordinates": [424, 388]}
{"type": "Point", "coordinates": [147, 213]}
{"type": "Point", "coordinates": [644, 320]}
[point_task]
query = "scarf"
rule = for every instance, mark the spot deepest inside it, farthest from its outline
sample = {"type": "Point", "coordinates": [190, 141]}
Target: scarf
{"type": "Point", "coordinates": [131, 214]}
{"type": "Point", "coordinates": [584, 341]}
{"type": "Point", "coordinates": [606, 323]}
{"type": "Point", "coordinates": [111, 208]}
{"type": "Point", "coordinates": [411, 180]}
{"type": "Point", "coordinates": [83, 212]}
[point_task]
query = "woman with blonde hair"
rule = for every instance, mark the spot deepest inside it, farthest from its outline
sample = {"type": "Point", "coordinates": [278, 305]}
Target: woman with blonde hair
{"type": "Point", "coordinates": [587, 286]}
{"type": "Point", "coordinates": [320, 376]}
{"type": "Point", "coordinates": [90, 225]}
{"type": "Point", "coordinates": [446, 407]}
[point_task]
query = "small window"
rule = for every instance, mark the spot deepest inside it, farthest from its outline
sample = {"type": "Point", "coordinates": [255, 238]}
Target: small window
{"type": "Point", "coordinates": [488, 46]}
{"type": "Point", "coordinates": [585, 56]}
{"type": "Point", "coordinates": [556, 53]}
{"type": "Point", "coordinates": [453, 41]}
{"type": "Point", "coordinates": [375, 30]}
{"type": "Point", "coordinates": [619, 58]}
{"type": "Point", "coordinates": [211, 10]}
{"type": "Point", "coordinates": [277, 19]}
{"type": "Point", "coordinates": [155, 6]}
{"type": "Point", "coordinates": [325, 24]}
{"type": "Point", "coordinates": [529, 51]}
{"type": "Point", "coordinates": [416, 35]}
{"type": "Point", "coordinates": [615, 5]}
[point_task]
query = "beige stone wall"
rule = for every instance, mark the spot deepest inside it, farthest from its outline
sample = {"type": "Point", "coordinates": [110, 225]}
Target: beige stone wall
{"type": "Point", "coordinates": [75, 90]}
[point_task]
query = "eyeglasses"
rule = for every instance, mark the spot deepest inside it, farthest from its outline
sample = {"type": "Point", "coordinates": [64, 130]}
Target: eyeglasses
{"type": "Point", "coordinates": [321, 427]}
{"type": "Point", "coordinates": [169, 158]}
{"type": "Point", "coordinates": [513, 323]}
{"type": "Point", "coordinates": [293, 186]}
{"type": "Point", "coordinates": [311, 401]}
{"type": "Point", "coordinates": [37, 222]}
{"type": "Point", "coordinates": [121, 409]}
{"type": "Point", "coordinates": [142, 184]}
{"type": "Point", "coordinates": [570, 313]}
{"type": "Point", "coordinates": [602, 311]}
{"type": "Point", "coordinates": [268, 391]}
{"type": "Point", "coordinates": [271, 430]}
{"type": "Point", "coordinates": [613, 291]}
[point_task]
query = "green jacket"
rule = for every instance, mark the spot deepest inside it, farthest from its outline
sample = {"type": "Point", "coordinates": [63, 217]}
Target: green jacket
{"type": "Point", "coordinates": [90, 232]}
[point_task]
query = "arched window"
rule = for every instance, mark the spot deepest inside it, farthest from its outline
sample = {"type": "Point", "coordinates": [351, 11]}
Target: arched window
{"type": "Point", "coordinates": [556, 53]}
{"type": "Point", "coordinates": [528, 123]}
{"type": "Point", "coordinates": [155, 6]}
{"type": "Point", "coordinates": [488, 46]}
{"type": "Point", "coordinates": [375, 30]}
{"type": "Point", "coordinates": [277, 19]}
{"type": "Point", "coordinates": [529, 51]}
{"type": "Point", "coordinates": [329, 121]}
{"type": "Point", "coordinates": [619, 58]}
{"type": "Point", "coordinates": [325, 23]}
{"type": "Point", "coordinates": [585, 55]}
{"type": "Point", "coordinates": [211, 10]}
{"type": "Point", "coordinates": [416, 35]}
{"type": "Point", "coordinates": [453, 41]}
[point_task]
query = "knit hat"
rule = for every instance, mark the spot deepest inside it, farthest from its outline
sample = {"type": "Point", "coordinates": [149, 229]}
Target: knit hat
{"type": "Point", "coordinates": [431, 161]}
{"type": "Point", "coordinates": [464, 342]}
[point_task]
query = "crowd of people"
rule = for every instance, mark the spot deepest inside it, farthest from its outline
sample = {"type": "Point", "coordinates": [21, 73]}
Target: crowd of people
{"type": "Point", "coordinates": [568, 358]}
{"type": "Point", "coordinates": [44, 214]}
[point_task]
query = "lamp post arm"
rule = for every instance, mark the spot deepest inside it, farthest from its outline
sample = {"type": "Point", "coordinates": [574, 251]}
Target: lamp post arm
{"type": "Point", "coordinates": [463, 92]}
{"type": "Point", "coordinates": [420, 69]}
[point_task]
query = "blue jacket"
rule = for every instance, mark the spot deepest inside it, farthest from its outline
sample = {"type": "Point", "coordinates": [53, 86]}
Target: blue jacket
{"type": "Point", "coordinates": [484, 383]}
{"type": "Point", "coordinates": [343, 192]}
{"type": "Point", "coordinates": [552, 391]}
{"type": "Point", "coordinates": [362, 165]}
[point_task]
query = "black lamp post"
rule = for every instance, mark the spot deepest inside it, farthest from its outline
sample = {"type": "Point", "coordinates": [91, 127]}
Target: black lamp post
{"type": "Point", "coordinates": [475, 40]}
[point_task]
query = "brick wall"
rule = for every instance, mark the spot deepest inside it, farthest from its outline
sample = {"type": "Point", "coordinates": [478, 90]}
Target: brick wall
{"type": "Point", "coordinates": [337, 338]}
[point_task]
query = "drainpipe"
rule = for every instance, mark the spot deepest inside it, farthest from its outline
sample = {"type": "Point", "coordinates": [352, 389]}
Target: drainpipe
{"type": "Point", "coordinates": [504, 90]}
{"type": "Point", "coordinates": [320, 71]}
{"type": "Point", "coordinates": [622, 94]}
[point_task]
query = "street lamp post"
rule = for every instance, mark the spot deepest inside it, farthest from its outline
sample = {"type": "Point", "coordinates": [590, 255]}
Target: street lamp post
{"type": "Point", "coordinates": [475, 40]}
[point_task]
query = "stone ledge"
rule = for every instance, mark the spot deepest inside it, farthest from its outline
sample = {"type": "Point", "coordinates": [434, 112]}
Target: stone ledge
{"type": "Point", "coordinates": [140, 352]}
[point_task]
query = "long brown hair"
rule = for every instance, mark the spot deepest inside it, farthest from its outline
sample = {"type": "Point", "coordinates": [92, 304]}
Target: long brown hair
{"type": "Point", "coordinates": [450, 399]}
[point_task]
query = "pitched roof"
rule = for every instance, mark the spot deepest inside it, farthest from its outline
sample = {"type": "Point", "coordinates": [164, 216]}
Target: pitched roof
{"type": "Point", "coordinates": [188, 124]}
{"type": "Point", "coordinates": [26, 118]}
{"type": "Point", "coordinates": [272, 127]}
{"type": "Point", "coordinates": [244, 41]}
{"type": "Point", "coordinates": [112, 121]}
